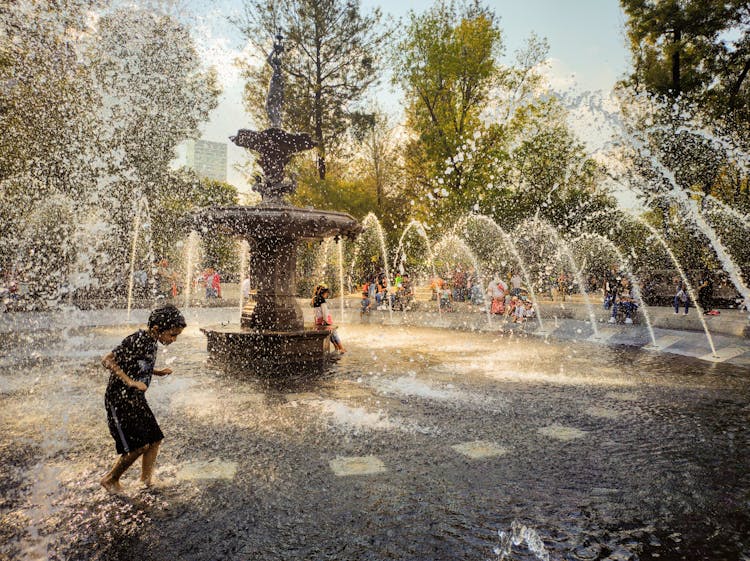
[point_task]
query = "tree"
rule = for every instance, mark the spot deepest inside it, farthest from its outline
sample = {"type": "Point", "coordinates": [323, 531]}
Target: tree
{"type": "Point", "coordinates": [693, 49]}
{"type": "Point", "coordinates": [47, 120]}
{"type": "Point", "coordinates": [447, 64]}
{"type": "Point", "coordinates": [155, 89]}
{"type": "Point", "coordinates": [91, 112]}
{"type": "Point", "coordinates": [331, 60]}
{"type": "Point", "coordinates": [376, 153]}
{"type": "Point", "coordinates": [155, 94]}
{"type": "Point", "coordinates": [46, 99]}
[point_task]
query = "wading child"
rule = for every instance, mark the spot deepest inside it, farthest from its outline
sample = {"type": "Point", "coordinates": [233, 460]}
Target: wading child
{"type": "Point", "coordinates": [131, 422]}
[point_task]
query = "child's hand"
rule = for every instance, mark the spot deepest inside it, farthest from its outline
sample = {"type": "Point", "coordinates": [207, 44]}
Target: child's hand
{"type": "Point", "coordinates": [139, 386]}
{"type": "Point", "coordinates": [163, 372]}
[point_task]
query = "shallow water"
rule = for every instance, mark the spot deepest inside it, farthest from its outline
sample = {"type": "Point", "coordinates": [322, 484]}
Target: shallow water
{"type": "Point", "coordinates": [419, 444]}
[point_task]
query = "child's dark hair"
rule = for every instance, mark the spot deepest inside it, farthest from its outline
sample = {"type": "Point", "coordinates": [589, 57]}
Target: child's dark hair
{"type": "Point", "coordinates": [319, 290]}
{"type": "Point", "coordinates": [166, 317]}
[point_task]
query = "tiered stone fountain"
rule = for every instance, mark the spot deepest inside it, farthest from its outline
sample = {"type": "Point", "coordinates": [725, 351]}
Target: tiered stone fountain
{"type": "Point", "coordinates": [272, 338]}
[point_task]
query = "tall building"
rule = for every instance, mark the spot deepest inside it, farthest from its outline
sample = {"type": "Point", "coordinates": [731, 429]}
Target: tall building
{"type": "Point", "coordinates": [208, 159]}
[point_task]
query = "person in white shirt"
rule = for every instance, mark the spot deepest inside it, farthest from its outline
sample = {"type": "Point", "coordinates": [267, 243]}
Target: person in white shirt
{"type": "Point", "coordinates": [496, 291]}
{"type": "Point", "coordinates": [515, 284]}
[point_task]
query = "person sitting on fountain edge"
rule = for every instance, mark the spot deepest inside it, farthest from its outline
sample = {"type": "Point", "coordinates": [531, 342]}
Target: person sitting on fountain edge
{"type": "Point", "coordinates": [131, 422]}
{"type": "Point", "coordinates": [625, 302]}
{"type": "Point", "coordinates": [323, 318]}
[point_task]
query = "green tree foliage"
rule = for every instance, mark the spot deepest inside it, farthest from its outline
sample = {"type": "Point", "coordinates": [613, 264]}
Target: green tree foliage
{"type": "Point", "coordinates": [377, 163]}
{"type": "Point", "coordinates": [447, 64]}
{"type": "Point", "coordinates": [696, 55]}
{"type": "Point", "coordinates": [331, 59]}
{"type": "Point", "coordinates": [91, 110]}
{"type": "Point", "coordinates": [155, 93]}
{"type": "Point", "coordinates": [692, 48]}
{"type": "Point", "coordinates": [47, 122]}
{"type": "Point", "coordinates": [46, 98]}
{"type": "Point", "coordinates": [355, 195]}
{"type": "Point", "coordinates": [486, 138]}
{"type": "Point", "coordinates": [181, 193]}
{"type": "Point", "coordinates": [547, 172]}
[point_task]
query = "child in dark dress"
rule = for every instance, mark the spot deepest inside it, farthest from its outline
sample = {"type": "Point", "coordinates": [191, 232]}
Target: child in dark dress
{"type": "Point", "coordinates": [131, 422]}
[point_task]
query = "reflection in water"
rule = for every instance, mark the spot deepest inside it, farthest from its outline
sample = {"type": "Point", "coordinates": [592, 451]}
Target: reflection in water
{"type": "Point", "coordinates": [419, 444]}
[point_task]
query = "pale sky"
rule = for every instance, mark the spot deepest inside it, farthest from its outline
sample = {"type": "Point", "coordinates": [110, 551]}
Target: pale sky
{"type": "Point", "coordinates": [587, 42]}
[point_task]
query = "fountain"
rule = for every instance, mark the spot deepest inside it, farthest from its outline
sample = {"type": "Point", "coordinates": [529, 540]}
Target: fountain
{"type": "Point", "coordinates": [272, 338]}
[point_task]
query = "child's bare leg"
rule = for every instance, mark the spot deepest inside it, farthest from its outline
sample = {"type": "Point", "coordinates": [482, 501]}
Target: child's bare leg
{"type": "Point", "coordinates": [148, 463]}
{"type": "Point", "coordinates": [111, 481]}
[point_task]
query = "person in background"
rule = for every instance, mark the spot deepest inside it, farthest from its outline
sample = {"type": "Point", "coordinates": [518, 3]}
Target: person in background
{"type": "Point", "coordinates": [529, 311]}
{"type": "Point", "coordinates": [216, 284]}
{"type": "Point", "coordinates": [625, 301]}
{"type": "Point", "coordinates": [515, 284]}
{"type": "Point", "coordinates": [706, 294]}
{"type": "Point", "coordinates": [446, 297]}
{"type": "Point", "coordinates": [365, 303]}
{"type": "Point", "coordinates": [208, 281]}
{"type": "Point", "coordinates": [323, 319]}
{"type": "Point", "coordinates": [164, 278]}
{"type": "Point", "coordinates": [246, 288]}
{"type": "Point", "coordinates": [459, 285]}
{"type": "Point", "coordinates": [407, 291]}
{"type": "Point", "coordinates": [496, 291]}
{"type": "Point", "coordinates": [611, 285]}
{"type": "Point", "coordinates": [681, 297]}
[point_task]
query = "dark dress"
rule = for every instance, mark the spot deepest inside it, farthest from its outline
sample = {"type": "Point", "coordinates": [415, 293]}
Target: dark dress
{"type": "Point", "coordinates": [131, 422]}
{"type": "Point", "coordinates": [705, 293]}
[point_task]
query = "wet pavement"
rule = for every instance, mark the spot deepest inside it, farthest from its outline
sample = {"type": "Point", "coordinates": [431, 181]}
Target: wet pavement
{"type": "Point", "coordinates": [418, 444]}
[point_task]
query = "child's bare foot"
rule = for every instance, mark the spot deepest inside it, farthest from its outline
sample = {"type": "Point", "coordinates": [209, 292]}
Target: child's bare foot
{"type": "Point", "coordinates": [112, 487]}
{"type": "Point", "coordinates": [156, 484]}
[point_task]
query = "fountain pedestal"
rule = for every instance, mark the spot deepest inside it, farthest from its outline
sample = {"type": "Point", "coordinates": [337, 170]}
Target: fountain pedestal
{"type": "Point", "coordinates": [276, 307]}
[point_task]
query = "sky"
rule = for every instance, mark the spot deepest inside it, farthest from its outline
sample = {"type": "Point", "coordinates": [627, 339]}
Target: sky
{"type": "Point", "coordinates": [588, 51]}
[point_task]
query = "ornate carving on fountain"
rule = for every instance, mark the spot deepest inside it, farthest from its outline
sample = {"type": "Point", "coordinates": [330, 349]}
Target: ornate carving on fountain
{"type": "Point", "coordinates": [274, 146]}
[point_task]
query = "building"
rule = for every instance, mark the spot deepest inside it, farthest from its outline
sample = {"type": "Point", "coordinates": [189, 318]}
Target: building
{"type": "Point", "coordinates": [208, 159]}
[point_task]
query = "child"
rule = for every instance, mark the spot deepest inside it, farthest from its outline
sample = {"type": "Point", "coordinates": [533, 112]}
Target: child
{"type": "Point", "coordinates": [514, 304]}
{"type": "Point", "coordinates": [131, 422]}
{"type": "Point", "coordinates": [529, 311]}
{"type": "Point", "coordinates": [323, 317]}
{"type": "Point", "coordinates": [445, 298]}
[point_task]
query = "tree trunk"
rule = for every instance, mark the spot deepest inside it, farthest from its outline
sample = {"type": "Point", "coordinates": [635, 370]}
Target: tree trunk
{"type": "Point", "coordinates": [318, 104]}
{"type": "Point", "coordinates": [734, 93]}
{"type": "Point", "coordinates": [676, 63]}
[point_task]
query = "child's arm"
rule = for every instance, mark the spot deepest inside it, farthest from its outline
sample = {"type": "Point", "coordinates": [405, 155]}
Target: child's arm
{"type": "Point", "coordinates": [110, 364]}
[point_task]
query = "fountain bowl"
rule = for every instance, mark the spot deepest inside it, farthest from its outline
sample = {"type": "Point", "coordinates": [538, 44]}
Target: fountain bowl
{"type": "Point", "coordinates": [272, 339]}
{"type": "Point", "coordinates": [277, 220]}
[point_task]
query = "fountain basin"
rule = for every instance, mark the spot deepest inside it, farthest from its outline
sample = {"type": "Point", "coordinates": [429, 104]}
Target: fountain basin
{"type": "Point", "coordinates": [267, 352]}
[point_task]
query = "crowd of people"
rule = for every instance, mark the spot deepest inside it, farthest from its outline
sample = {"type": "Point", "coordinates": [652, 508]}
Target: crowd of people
{"type": "Point", "coordinates": [170, 283]}
{"type": "Point", "coordinates": [379, 292]}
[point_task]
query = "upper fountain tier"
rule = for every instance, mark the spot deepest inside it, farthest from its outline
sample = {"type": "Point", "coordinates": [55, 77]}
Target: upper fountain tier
{"type": "Point", "coordinates": [278, 220]}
